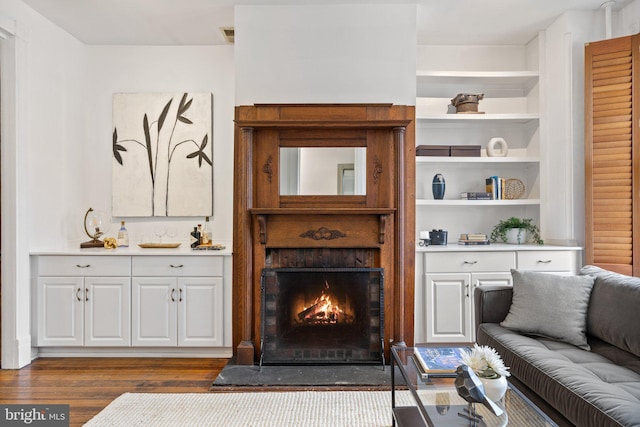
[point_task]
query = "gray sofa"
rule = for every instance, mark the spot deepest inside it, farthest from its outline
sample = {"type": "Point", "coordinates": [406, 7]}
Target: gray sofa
{"type": "Point", "coordinates": [594, 382]}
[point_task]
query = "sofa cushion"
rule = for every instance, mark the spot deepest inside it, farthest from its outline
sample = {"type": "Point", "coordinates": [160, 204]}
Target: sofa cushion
{"type": "Point", "coordinates": [585, 386]}
{"type": "Point", "coordinates": [550, 305]}
{"type": "Point", "coordinates": [614, 309]}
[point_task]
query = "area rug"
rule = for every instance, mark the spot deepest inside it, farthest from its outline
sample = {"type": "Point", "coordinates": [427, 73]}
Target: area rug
{"type": "Point", "coordinates": [268, 409]}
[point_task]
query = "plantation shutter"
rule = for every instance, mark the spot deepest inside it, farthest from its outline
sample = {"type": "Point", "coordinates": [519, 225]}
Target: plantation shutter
{"type": "Point", "coordinates": [611, 156]}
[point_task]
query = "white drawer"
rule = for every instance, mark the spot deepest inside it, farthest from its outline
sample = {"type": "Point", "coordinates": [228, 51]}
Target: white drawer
{"type": "Point", "coordinates": [546, 260]}
{"type": "Point", "coordinates": [85, 265]}
{"type": "Point", "coordinates": [448, 262]}
{"type": "Point", "coordinates": [177, 266]}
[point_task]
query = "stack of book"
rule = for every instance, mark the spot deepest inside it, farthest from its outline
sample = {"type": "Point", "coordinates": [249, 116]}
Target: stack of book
{"type": "Point", "coordinates": [474, 195]}
{"type": "Point", "coordinates": [473, 239]}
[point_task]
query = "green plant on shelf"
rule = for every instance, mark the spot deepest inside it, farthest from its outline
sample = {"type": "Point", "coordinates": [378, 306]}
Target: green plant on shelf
{"type": "Point", "coordinates": [500, 230]}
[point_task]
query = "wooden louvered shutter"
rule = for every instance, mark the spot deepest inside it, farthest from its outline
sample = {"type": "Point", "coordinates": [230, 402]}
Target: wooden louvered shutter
{"type": "Point", "coordinates": [611, 156]}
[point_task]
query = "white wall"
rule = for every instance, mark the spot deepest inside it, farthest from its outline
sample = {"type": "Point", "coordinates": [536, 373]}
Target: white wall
{"type": "Point", "coordinates": [321, 53]}
{"type": "Point", "coordinates": [113, 69]}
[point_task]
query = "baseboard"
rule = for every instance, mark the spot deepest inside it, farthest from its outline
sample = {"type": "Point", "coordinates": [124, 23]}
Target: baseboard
{"type": "Point", "coordinates": [200, 352]}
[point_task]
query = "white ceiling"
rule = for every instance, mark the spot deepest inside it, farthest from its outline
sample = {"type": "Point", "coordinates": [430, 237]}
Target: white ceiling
{"type": "Point", "coordinates": [198, 22]}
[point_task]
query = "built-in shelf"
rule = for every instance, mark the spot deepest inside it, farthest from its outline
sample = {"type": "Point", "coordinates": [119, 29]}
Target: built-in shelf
{"type": "Point", "coordinates": [516, 118]}
{"type": "Point", "coordinates": [494, 84]}
{"type": "Point", "coordinates": [455, 202]}
{"type": "Point", "coordinates": [484, 160]}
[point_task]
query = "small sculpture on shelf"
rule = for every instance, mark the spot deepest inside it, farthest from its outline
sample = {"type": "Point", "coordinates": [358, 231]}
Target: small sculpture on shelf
{"type": "Point", "coordinates": [467, 102]}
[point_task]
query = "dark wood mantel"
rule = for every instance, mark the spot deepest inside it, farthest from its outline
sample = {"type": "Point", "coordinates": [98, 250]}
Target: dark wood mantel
{"type": "Point", "coordinates": [382, 221]}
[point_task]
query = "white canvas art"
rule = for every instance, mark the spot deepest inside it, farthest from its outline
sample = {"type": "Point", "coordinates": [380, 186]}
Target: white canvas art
{"type": "Point", "coordinates": [162, 154]}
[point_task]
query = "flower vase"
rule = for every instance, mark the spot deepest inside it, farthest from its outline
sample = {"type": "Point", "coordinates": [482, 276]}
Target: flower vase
{"type": "Point", "coordinates": [437, 186]}
{"type": "Point", "coordinates": [494, 388]}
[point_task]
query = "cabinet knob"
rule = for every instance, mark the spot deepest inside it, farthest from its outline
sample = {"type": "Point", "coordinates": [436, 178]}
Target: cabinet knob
{"type": "Point", "coordinates": [83, 266]}
{"type": "Point", "coordinates": [176, 266]}
{"type": "Point", "coordinates": [470, 262]}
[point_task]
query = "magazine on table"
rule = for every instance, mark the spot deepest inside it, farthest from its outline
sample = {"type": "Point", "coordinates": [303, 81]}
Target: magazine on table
{"type": "Point", "coordinates": [438, 361]}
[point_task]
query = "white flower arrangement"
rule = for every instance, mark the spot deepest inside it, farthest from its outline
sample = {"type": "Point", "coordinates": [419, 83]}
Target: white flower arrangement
{"type": "Point", "coordinates": [485, 362]}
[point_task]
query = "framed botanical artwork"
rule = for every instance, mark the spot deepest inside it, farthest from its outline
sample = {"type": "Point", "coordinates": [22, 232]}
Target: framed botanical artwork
{"type": "Point", "coordinates": [162, 154]}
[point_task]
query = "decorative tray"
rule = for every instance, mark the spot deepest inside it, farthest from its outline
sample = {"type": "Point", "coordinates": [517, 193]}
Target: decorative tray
{"type": "Point", "coordinates": [159, 245]}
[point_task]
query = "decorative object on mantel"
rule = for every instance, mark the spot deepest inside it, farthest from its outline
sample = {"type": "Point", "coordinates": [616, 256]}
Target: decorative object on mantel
{"type": "Point", "coordinates": [497, 147]}
{"type": "Point", "coordinates": [96, 224]}
{"type": "Point", "coordinates": [487, 364]}
{"type": "Point", "coordinates": [516, 231]}
{"type": "Point", "coordinates": [438, 186]}
{"type": "Point", "coordinates": [162, 154]}
{"type": "Point", "coordinates": [467, 103]}
{"type": "Point", "coordinates": [513, 189]}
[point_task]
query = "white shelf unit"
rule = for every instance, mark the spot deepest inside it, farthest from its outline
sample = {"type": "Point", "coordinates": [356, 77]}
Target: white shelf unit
{"type": "Point", "coordinates": [510, 109]}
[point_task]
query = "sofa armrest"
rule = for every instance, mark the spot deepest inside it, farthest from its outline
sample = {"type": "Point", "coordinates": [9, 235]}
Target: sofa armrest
{"type": "Point", "coordinates": [492, 303]}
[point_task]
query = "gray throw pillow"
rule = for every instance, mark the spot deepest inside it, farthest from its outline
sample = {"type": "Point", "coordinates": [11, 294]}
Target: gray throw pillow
{"type": "Point", "coordinates": [550, 305]}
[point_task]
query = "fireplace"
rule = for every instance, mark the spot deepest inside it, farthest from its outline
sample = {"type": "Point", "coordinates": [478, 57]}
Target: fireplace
{"type": "Point", "coordinates": [276, 229]}
{"type": "Point", "coordinates": [322, 315]}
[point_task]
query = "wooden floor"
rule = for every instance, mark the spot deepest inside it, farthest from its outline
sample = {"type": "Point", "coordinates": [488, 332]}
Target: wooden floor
{"type": "Point", "coordinates": [90, 384]}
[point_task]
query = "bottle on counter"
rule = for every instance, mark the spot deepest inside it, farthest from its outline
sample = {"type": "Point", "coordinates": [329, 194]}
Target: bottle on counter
{"type": "Point", "coordinates": [123, 236]}
{"type": "Point", "coordinates": [195, 237]}
{"type": "Point", "coordinates": [205, 234]}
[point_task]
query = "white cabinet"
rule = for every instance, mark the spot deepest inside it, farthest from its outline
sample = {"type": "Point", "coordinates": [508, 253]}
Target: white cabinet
{"type": "Point", "coordinates": [185, 310]}
{"type": "Point", "coordinates": [444, 302]}
{"type": "Point", "coordinates": [76, 307]}
{"type": "Point", "coordinates": [450, 280]}
{"type": "Point", "coordinates": [510, 110]}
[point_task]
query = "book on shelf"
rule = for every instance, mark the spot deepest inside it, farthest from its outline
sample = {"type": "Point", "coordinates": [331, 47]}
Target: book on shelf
{"type": "Point", "coordinates": [476, 195]}
{"type": "Point", "coordinates": [473, 236]}
{"type": "Point", "coordinates": [473, 242]}
{"type": "Point", "coordinates": [438, 361]}
{"type": "Point", "coordinates": [495, 185]}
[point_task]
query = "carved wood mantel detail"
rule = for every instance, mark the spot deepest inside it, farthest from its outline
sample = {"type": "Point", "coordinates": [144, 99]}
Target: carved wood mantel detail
{"type": "Point", "coordinates": [380, 223]}
{"type": "Point", "coordinates": [323, 233]}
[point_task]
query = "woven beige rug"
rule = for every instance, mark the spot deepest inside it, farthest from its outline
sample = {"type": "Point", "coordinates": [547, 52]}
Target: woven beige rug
{"type": "Point", "coordinates": [265, 409]}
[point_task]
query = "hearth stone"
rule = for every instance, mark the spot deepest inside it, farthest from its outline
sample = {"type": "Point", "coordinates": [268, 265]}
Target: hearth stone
{"type": "Point", "coordinates": [339, 376]}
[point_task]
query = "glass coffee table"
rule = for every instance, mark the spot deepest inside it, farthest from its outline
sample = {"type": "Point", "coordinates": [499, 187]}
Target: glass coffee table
{"type": "Point", "coordinates": [434, 402]}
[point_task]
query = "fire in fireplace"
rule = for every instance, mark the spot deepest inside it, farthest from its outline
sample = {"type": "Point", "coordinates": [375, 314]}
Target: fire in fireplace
{"type": "Point", "coordinates": [322, 315]}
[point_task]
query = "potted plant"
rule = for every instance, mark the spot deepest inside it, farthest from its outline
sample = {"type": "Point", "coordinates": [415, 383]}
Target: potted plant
{"type": "Point", "coordinates": [516, 230]}
{"type": "Point", "coordinates": [489, 367]}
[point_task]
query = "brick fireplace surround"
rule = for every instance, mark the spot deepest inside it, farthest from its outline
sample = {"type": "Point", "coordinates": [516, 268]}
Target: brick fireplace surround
{"type": "Point", "coordinates": [380, 223]}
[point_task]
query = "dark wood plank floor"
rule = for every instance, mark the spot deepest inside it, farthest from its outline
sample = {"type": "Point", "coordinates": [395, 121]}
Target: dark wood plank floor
{"type": "Point", "coordinates": [90, 384]}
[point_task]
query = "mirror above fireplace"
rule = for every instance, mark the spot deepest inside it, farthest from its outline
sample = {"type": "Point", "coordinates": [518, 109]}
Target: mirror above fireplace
{"type": "Point", "coordinates": [323, 171]}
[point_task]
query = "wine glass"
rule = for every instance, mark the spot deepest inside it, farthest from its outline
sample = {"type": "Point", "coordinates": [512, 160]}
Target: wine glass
{"type": "Point", "coordinates": [159, 231]}
{"type": "Point", "coordinates": [171, 233]}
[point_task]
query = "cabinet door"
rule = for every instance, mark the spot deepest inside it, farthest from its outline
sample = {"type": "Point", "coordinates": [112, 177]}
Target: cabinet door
{"type": "Point", "coordinates": [107, 303]}
{"type": "Point", "coordinates": [448, 307]}
{"type": "Point", "coordinates": [60, 311]}
{"type": "Point", "coordinates": [154, 315]}
{"type": "Point", "coordinates": [486, 279]}
{"type": "Point", "coordinates": [200, 312]}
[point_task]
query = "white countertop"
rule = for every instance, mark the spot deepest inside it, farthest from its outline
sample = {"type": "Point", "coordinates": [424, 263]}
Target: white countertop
{"type": "Point", "coordinates": [494, 247]}
{"type": "Point", "coordinates": [183, 249]}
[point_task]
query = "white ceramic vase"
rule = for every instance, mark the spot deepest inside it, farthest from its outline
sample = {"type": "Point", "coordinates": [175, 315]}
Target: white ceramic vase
{"type": "Point", "coordinates": [494, 388]}
{"type": "Point", "coordinates": [516, 236]}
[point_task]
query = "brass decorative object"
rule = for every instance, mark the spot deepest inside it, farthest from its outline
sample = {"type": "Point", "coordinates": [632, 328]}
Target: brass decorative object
{"type": "Point", "coordinates": [96, 224]}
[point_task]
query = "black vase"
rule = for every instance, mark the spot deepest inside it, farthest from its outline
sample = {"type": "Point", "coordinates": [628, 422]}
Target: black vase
{"type": "Point", "coordinates": [437, 186]}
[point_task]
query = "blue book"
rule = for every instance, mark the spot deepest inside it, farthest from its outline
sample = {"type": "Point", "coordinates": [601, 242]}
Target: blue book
{"type": "Point", "coordinates": [439, 361]}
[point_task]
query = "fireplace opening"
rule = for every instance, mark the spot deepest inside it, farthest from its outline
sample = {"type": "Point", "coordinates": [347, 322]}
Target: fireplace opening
{"type": "Point", "coordinates": [322, 315]}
